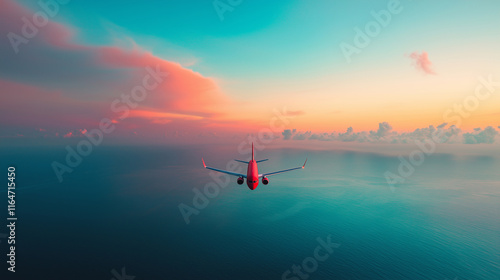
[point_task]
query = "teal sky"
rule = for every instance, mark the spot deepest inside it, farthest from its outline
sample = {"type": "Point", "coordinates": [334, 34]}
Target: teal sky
{"type": "Point", "coordinates": [279, 39]}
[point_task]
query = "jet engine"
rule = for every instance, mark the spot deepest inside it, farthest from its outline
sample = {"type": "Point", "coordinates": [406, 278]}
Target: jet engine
{"type": "Point", "coordinates": [240, 181]}
{"type": "Point", "coordinates": [265, 181]}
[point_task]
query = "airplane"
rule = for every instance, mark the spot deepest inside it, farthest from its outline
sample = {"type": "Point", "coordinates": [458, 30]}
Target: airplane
{"type": "Point", "coordinates": [252, 175]}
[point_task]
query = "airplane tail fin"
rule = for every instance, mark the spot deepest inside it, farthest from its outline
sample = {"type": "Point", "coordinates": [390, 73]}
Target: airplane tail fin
{"type": "Point", "coordinates": [252, 152]}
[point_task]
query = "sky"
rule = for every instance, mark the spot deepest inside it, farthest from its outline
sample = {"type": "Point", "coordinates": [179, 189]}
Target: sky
{"type": "Point", "coordinates": [333, 70]}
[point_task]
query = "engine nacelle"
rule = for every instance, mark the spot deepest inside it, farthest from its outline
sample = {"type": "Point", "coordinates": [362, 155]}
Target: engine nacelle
{"type": "Point", "coordinates": [240, 181]}
{"type": "Point", "coordinates": [265, 181]}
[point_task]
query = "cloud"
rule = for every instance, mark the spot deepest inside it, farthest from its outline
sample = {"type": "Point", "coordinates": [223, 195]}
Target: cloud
{"type": "Point", "coordinates": [442, 125]}
{"type": "Point", "coordinates": [350, 136]}
{"type": "Point", "coordinates": [68, 135]}
{"type": "Point", "coordinates": [287, 134]}
{"type": "Point", "coordinates": [60, 85]}
{"type": "Point", "coordinates": [384, 129]}
{"type": "Point", "coordinates": [302, 136]}
{"type": "Point", "coordinates": [323, 136]}
{"type": "Point", "coordinates": [447, 135]}
{"type": "Point", "coordinates": [422, 62]}
{"type": "Point", "coordinates": [480, 136]}
{"type": "Point", "coordinates": [385, 134]}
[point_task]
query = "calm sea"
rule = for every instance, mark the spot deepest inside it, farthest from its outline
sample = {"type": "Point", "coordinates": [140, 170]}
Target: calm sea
{"type": "Point", "coordinates": [117, 214]}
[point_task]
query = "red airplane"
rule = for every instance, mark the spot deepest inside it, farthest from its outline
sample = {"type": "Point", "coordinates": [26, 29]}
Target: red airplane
{"type": "Point", "coordinates": [252, 172]}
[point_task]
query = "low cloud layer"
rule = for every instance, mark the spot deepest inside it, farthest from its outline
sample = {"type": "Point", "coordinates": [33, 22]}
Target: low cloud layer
{"type": "Point", "coordinates": [481, 136]}
{"type": "Point", "coordinates": [385, 134]}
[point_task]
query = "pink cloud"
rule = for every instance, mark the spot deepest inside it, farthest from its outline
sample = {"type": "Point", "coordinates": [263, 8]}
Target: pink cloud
{"type": "Point", "coordinates": [68, 135]}
{"type": "Point", "coordinates": [57, 84]}
{"type": "Point", "coordinates": [184, 92]}
{"type": "Point", "coordinates": [11, 19]}
{"type": "Point", "coordinates": [422, 62]}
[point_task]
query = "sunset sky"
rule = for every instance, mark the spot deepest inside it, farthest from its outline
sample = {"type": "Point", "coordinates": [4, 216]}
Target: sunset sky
{"type": "Point", "coordinates": [230, 68]}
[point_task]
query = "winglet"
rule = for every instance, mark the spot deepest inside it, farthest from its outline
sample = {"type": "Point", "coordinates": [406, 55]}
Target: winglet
{"type": "Point", "coordinates": [204, 165]}
{"type": "Point", "coordinates": [303, 166]}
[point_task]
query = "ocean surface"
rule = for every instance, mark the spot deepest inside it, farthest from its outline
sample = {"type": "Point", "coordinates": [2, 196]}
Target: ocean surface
{"type": "Point", "coordinates": [117, 216]}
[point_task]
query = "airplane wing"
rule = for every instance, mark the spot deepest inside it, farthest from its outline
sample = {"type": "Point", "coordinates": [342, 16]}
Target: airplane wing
{"type": "Point", "coordinates": [223, 171]}
{"type": "Point", "coordinates": [282, 171]}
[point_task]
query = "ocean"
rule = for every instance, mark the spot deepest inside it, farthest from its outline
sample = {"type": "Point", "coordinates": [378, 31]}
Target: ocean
{"type": "Point", "coordinates": [117, 216]}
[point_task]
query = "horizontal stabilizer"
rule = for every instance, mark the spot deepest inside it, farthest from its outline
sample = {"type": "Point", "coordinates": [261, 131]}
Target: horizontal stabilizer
{"type": "Point", "coordinates": [242, 161]}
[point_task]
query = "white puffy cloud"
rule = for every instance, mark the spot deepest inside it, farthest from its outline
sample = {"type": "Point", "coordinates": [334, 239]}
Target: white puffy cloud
{"type": "Point", "coordinates": [302, 136]}
{"type": "Point", "coordinates": [287, 134]}
{"type": "Point", "coordinates": [481, 136]}
{"type": "Point", "coordinates": [384, 130]}
{"type": "Point", "coordinates": [385, 134]}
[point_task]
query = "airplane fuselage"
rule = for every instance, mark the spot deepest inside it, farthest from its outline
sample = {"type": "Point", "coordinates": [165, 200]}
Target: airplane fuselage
{"type": "Point", "coordinates": [252, 175]}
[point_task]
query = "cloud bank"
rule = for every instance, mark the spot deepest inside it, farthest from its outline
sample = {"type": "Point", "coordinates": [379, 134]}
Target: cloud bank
{"type": "Point", "coordinates": [385, 134]}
